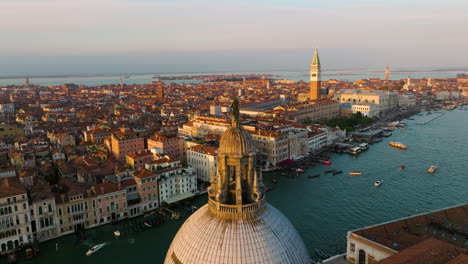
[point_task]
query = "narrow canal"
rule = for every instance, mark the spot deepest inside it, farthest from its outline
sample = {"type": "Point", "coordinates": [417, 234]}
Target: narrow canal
{"type": "Point", "coordinates": [323, 209]}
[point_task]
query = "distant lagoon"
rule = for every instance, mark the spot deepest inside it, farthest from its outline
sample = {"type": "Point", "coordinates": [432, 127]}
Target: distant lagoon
{"type": "Point", "coordinates": [105, 79]}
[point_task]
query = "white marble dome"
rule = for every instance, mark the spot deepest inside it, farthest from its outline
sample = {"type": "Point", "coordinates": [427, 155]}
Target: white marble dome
{"type": "Point", "coordinates": [267, 238]}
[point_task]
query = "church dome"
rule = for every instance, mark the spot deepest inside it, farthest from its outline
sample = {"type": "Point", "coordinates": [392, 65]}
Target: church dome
{"type": "Point", "coordinates": [268, 237]}
{"type": "Point", "coordinates": [236, 141]}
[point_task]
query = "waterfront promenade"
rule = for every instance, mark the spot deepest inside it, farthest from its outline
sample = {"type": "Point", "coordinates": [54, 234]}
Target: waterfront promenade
{"type": "Point", "coordinates": [323, 209]}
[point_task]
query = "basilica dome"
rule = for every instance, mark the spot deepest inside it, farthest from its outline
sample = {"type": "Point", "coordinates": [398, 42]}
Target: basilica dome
{"type": "Point", "coordinates": [267, 238]}
{"type": "Point", "coordinates": [236, 141]}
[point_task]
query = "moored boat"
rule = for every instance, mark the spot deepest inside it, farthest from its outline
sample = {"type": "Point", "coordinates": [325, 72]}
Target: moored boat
{"type": "Point", "coordinates": [329, 171]}
{"type": "Point", "coordinates": [94, 249]}
{"type": "Point", "coordinates": [354, 173]}
{"type": "Point", "coordinates": [313, 176]}
{"type": "Point", "coordinates": [398, 145]}
{"type": "Point", "coordinates": [299, 170]}
{"type": "Point", "coordinates": [337, 172]}
{"type": "Point", "coordinates": [117, 233]}
{"type": "Point", "coordinates": [378, 183]}
{"type": "Point", "coordinates": [432, 169]}
{"type": "Point", "coordinates": [326, 162]}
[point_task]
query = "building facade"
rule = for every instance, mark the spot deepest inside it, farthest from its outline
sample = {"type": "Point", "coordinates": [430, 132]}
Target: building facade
{"type": "Point", "coordinates": [15, 218]}
{"type": "Point", "coordinates": [203, 160]}
{"type": "Point", "coordinates": [125, 142]}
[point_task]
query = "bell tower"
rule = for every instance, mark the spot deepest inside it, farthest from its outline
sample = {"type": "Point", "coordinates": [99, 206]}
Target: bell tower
{"type": "Point", "coordinates": [315, 78]}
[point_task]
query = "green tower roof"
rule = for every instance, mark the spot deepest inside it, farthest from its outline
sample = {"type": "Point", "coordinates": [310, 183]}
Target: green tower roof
{"type": "Point", "coordinates": [316, 60]}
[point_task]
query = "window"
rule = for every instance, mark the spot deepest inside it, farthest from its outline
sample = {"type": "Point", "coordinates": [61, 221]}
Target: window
{"type": "Point", "coordinates": [352, 247]}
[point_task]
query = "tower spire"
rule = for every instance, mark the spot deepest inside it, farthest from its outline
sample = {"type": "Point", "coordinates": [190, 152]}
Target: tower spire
{"type": "Point", "coordinates": [315, 59]}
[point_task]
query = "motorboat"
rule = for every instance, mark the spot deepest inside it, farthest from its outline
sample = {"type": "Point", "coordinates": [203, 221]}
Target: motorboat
{"type": "Point", "coordinates": [313, 176]}
{"type": "Point", "coordinates": [94, 249]}
{"type": "Point", "coordinates": [117, 233]}
{"type": "Point", "coordinates": [402, 167]}
{"type": "Point", "coordinates": [175, 216]}
{"type": "Point", "coordinates": [275, 181]}
{"type": "Point", "coordinates": [378, 183]}
{"type": "Point", "coordinates": [354, 173]}
{"type": "Point", "coordinates": [299, 170]}
{"type": "Point", "coordinates": [432, 169]}
{"type": "Point", "coordinates": [364, 146]}
{"type": "Point", "coordinates": [386, 133]}
{"type": "Point", "coordinates": [147, 225]}
{"type": "Point", "coordinates": [397, 145]}
{"type": "Point", "coordinates": [326, 162]}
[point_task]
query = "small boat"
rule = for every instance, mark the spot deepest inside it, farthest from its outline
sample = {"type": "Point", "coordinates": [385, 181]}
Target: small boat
{"type": "Point", "coordinates": [299, 170]}
{"type": "Point", "coordinates": [321, 254]}
{"type": "Point", "coordinates": [175, 216]}
{"type": "Point", "coordinates": [402, 167]}
{"type": "Point", "coordinates": [275, 181]}
{"type": "Point", "coordinates": [326, 162]}
{"type": "Point", "coordinates": [337, 172]}
{"type": "Point", "coordinates": [147, 225]}
{"type": "Point", "coordinates": [313, 176]}
{"type": "Point", "coordinates": [353, 173]}
{"type": "Point", "coordinates": [329, 171]}
{"type": "Point", "coordinates": [397, 145]}
{"type": "Point", "coordinates": [268, 188]}
{"type": "Point", "coordinates": [117, 233]}
{"type": "Point", "coordinates": [378, 183]}
{"type": "Point", "coordinates": [94, 249]}
{"type": "Point", "coordinates": [386, 133]}
{"type": "Point", "coordinates": [432, 169]}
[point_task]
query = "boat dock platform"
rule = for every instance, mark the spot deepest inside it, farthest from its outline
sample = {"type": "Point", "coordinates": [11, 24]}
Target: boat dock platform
{"type": "Point", "coordinates": [432, 119]}
{"type": "Point", "coordinates": [338, 259]}
{"type": "Point", "coordinates": [368, 136]}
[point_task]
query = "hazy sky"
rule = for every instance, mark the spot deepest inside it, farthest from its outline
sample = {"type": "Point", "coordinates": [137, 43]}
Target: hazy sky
{"type": "Point", "coordinates": [129, 36]}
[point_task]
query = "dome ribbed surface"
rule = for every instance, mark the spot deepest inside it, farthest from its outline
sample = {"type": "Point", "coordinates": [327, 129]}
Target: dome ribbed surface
{"type": "Point", "coordinates": [236, 141]}
{"type": "Point", "coordinates": [267, 238]}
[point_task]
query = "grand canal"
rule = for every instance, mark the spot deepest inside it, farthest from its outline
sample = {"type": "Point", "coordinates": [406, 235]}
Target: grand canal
{"type": "Point", "coordinates": [323, 209]}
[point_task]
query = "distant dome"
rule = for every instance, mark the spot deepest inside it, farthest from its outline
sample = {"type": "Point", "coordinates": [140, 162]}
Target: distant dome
{"type": "Point", "coordinates": [266, 238]}
{"type": "Point", "coordinates": [236, 141]}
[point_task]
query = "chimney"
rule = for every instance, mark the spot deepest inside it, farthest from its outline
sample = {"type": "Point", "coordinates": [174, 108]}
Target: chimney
{"type": "Point", "coordinates": [88, 192]}
{"type": "Point", "coordinates": [102, 189]}
{"type": "Point", "coordinates": [62, 197]}
{"type": "Point", "coordinates": [5, 182]}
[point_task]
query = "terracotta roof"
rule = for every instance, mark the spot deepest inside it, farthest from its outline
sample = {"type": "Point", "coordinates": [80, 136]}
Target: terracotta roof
{"type": "Point", "coordinates": [144, 173]}
{"type": "Point", "coordinates": [429, 251]}
{"type": "Point", "coordinates": [204, 149]}
{"type": "Point", "coordinates": [41, 191]}
{"type": "Point", "coordinates": [11, 186]}
{"type": "Point", "coordinates": [460, 259]}
{"type": "Point", "coordinates": [105, 187]}
{"type": "Point", "coordinates": [127, 183]}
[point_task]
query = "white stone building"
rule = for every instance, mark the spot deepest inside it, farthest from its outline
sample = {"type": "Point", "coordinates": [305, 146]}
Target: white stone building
{"type": "Point", "coordinates": [203, 159]}
{"type": "Point", "coordinates": [385, 100]}
{"type": "Point", "coordinates": [366, 109]}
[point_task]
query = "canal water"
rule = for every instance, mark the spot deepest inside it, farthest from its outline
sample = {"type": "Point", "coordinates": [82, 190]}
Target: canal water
{"type": "Point", "coordinates": [323, 209]}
